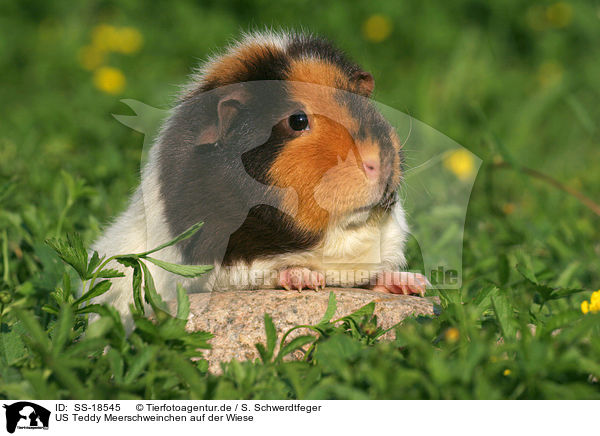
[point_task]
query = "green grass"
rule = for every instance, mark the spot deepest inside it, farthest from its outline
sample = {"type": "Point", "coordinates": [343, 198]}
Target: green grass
{"type": "Point", "coordinates": [513, 82]}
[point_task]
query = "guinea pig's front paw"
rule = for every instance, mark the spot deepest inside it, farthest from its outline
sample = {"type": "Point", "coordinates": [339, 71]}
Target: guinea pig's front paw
{"type": "Point", "coordinates": [300, 278]}
{"type": "Point", "coordinates": [397, 282]}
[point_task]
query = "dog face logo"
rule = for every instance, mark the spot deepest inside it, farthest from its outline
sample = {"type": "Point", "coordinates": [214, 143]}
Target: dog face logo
{"type": "Point", "coordinates": [26, 415]}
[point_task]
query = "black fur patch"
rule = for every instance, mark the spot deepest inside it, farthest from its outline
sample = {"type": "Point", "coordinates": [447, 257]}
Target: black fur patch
{"type": "Point", "coordinates": [225, 184]}
{"type": "Point", "coordinates": [268, 64]}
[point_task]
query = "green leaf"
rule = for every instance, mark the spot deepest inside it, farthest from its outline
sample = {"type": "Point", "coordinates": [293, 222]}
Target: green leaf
{"type": "Point", "coordinates": [295, 344]}
{"type": "Point", "coordinates": [181, 270]}
{"type": "Point", "coordinates": [140, 363]}
{"type": "Point", "coordinates": [366, 310]}
{"type": "Point", "coordinates": [98, 289]}
{"type": "Point", "coordinates": [505, 316]}
{"type": "Point", "coordinates": [526, 268]}
{"type": "Point", "coordinates": [137, 288]}
{"type": "Point", "coordinates": [566, 276]}
{"type": "Point", "coordinates": [132, 261]}
{"type": "Point", "coordinates": [545, 292]}
{"type": "Point", "coordinates": [172, 328]}
{"type": "Point", "coordinates": [183, 303]}
{"type": "Point", "coordinates": [271, 333]}
{"type": "Point", "coordinates": [484, 298]}
{"type": "Point", "coordinates": [62, 329]}
{"type": "Point", "coordinates": [12, 348]}
{"type": "Point", "coordinates": [129, 261]}
{"type": "Point", "coordinates": [559, 320]}
{"type": "Point", "coordinates": [67, 289]}
{"type": "Point", "coordinates": [185, 235]}
{"type": "Point", "coordinates": [115, 361]}
{"type": "Point", "coordinates": [503, 270]}
{"type": "Point", "coordinates": [35, 331]}
{"type": "Point", "coordinates": [262, 352]}
{"type": "Point", "coordinates": [151, 295]}
{"type": "Point", "coordinates": [562, 293]}
{"type": "Point", "coordinates": [188, 374]}
{"type": "Point", "coordinates": [92, 308]}
{"type": "Point", "coordinates": [93, 263]}
{"type": "Point", "coordinates": [50, 309]}
{"type": "Point", "coordinates": [143, 326]}
{"type": "Point", "coordinates": [72, 252]}
{"type": "Point", "coordinates": [198, 339]}
{"type": "Point", "coordinates": [109, 274]}
{"type": "Point", "coordinates": [335, 350]}
{"type": "Point", "coordinates": [330, 311]}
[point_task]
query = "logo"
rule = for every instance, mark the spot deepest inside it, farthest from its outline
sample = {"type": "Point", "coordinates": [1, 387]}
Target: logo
{"type": "Point", "coordinates": [26, 415]}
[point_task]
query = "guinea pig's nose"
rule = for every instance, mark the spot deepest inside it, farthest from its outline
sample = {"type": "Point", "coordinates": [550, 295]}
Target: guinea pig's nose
{"type": "Point", "coordinates": [371, 167]}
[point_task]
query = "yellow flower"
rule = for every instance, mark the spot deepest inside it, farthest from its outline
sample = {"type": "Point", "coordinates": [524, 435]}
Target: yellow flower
{"type": "Point", "coordinates": [461, 163]}
{"type": "Point", "coordinates": [595, 302]}
{"type": "Point", "coordinates": [452, 334]}
{"type": "Point", "coordinates": [593, 305]}
{"type": "Point", "coordinates": [585, 307]}
{"type": "Point", "coordinates": [90, 57]}
{"type": "Point", "coordinates": [377, 28]}
{"type": "Point", "coordinates": [506, 372]}
{"type": "Point", "coordinates": [125, 40]}
{"type": "Point", "coordinates": [109, 80]}
{"type": "Point", "coordinates": [129, 40]}
{"type": "Point", "coordinates": [559, 14]}
{"type": "Point", "coordinates": [105, 37]}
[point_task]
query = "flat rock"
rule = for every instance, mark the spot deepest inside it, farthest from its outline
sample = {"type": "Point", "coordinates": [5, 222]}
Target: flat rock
{"type": "Point", "coordinates": [237, 318]}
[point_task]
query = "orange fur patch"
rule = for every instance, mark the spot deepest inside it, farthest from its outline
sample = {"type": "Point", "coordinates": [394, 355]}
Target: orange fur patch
{"type": "Point", "coordinates": [230, 66]}
{"type": "Point", "coordinates": [304, 164]}
{"type": "Point", "coordinates": [316, 71]}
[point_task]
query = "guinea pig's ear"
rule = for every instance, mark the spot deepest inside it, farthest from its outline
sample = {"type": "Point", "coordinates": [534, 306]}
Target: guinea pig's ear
{"type": "Point", "coordinates": [228, 105]}
{"type": "Point", "coordinates": [364, 83]}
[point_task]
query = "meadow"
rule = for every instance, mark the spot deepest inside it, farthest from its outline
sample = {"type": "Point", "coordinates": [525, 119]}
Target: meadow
{"type": "Point", "coordinates": [515, 83]}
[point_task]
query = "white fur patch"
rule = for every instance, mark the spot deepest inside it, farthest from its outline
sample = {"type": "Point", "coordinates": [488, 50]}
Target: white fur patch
{"type": "Point", "coordinates": [141, 227]}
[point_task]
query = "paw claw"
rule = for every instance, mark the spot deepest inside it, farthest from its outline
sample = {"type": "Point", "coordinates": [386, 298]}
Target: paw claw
{"type": "Point", "coordinates": [301, 278]}
{"type": "Point", "coordinates": [405, 283]}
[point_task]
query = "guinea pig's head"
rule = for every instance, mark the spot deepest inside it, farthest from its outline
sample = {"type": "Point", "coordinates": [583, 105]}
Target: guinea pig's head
{"type": "Point", "coordinates": [302, 114]}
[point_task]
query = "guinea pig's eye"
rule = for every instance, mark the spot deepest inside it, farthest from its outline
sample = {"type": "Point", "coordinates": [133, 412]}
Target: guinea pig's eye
{"type": "Point", "coordinates": [298, 121]}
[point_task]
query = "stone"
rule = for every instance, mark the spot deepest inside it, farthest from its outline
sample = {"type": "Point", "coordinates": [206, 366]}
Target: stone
{"type": "Point", "coordinates": [237, 318]}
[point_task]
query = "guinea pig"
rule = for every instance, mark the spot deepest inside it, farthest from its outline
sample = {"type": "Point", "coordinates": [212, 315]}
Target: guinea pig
{"type": "Point", "coordinates": [277, 147]}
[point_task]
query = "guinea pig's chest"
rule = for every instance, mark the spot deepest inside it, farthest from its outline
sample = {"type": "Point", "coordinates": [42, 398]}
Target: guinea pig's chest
{"type": "Point", "coordinates": [361, 244]}
{"type": "Point", "coordinates": [343, 247]}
